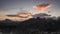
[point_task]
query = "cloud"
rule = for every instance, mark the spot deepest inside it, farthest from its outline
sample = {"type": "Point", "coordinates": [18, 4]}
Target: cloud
{"type": "Point", "coordinates": [4, 13]}
{"type": "Point", "coordinates": [24, 12]}
{"type": "Point", "coordinates": [42, 7]}
{"type": "Point", "coordinates": [42, 15]}
{"type": "Point", "coordinates": [3, 16]}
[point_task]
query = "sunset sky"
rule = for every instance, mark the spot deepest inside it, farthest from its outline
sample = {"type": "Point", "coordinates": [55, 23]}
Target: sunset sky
{"type": "Point", "coordinates": [15, 6]}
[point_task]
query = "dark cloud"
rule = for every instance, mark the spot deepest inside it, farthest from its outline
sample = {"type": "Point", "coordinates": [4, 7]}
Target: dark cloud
{"type": "Point", "coordinates": [41, 15]}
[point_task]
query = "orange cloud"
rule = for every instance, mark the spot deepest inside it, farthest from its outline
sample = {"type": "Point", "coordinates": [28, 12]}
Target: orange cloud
{"type": "Point", "coordinates": [42, 7]}
{"type": "Point", "coordinates": [25, 14]}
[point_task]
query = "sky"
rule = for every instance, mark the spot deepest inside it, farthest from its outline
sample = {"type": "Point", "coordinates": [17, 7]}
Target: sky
{"type": "Point", "coordinates": [16, 6]}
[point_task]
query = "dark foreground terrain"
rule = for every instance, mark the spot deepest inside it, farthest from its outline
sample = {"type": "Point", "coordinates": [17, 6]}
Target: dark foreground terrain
{"type": "Point", "coordinates": [31, 26]}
